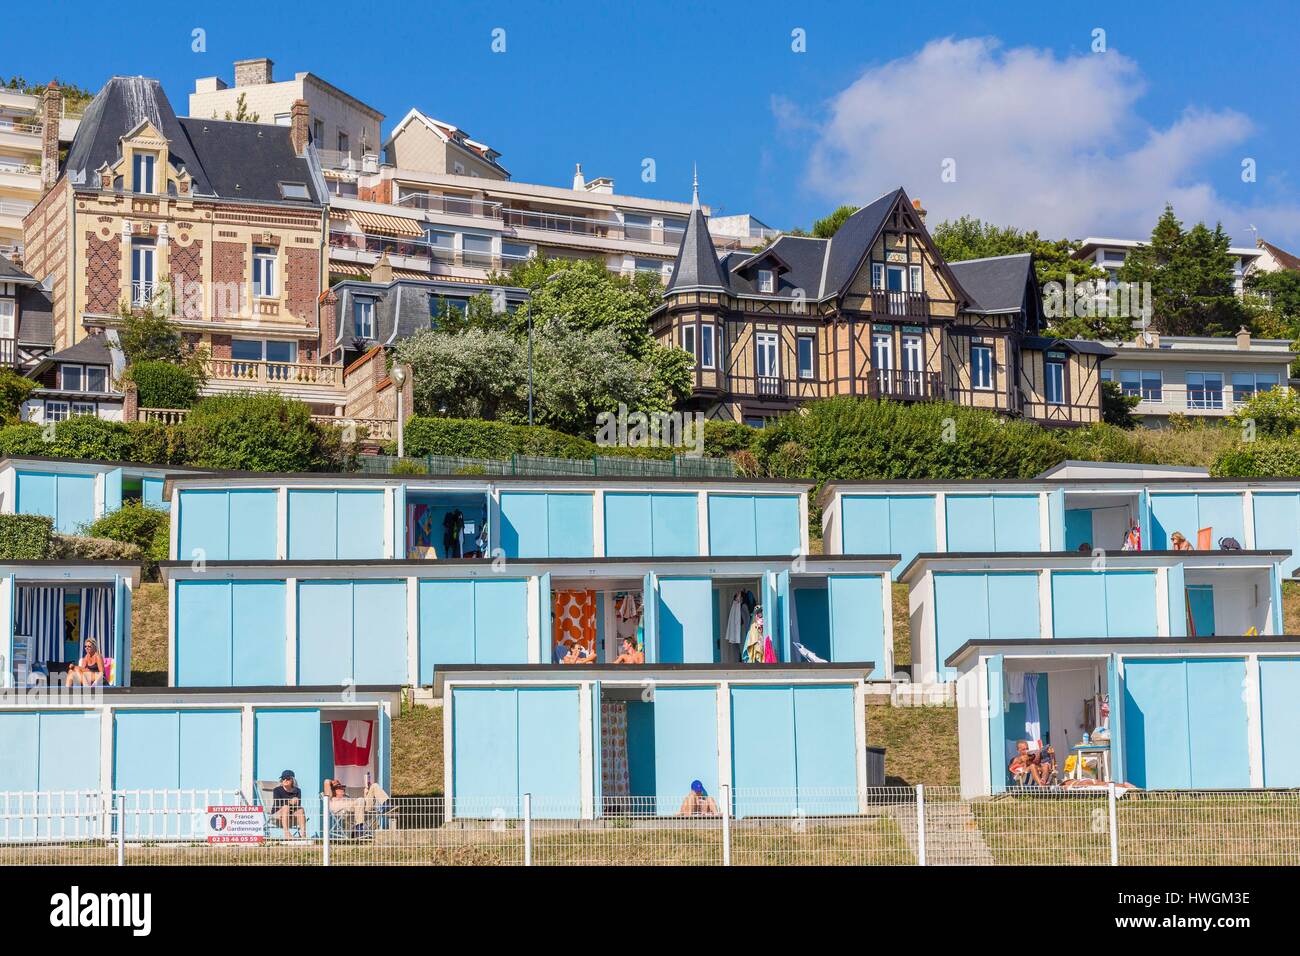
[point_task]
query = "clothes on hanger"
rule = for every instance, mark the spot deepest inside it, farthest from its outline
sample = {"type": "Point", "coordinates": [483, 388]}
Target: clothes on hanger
{"type": "Point", "coordinates": [453, 522]}
{"type": "Point", "coordinates": [735, 621]}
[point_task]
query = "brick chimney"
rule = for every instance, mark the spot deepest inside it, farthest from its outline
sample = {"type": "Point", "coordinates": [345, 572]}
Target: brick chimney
{"type": "Point", "coordinates": [920, 210]}
{"type": "Point", "coordinates": [1243, 338]}
{"type": "Point", "coordinates": [253, 72]}
{"type": "Point", "coordinates": [299, 120]}
{"type": "Point", "coordinates": [51, 113]}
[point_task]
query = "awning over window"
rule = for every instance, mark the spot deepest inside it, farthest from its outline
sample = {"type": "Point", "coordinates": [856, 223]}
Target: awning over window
{"type": "Point", "coordinates": [387, 225]}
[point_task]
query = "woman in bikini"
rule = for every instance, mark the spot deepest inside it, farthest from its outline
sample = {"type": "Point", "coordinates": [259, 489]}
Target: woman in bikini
{"type": "Point", "coordinates": [90, 669]}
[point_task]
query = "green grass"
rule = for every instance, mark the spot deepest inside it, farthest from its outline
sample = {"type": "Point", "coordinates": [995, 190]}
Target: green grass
{"type": "Point", "coordinates": [920, 744]}
{"type": "Point", "coordinates": [149, 636]}
{"type": "Point", "coordinates": [417, 751]}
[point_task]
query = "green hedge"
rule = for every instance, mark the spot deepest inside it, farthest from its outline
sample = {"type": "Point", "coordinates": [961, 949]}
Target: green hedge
{"type": "Point", "coordinates": [472, 438]}
{"type": "Point", "coordinates": [164, 385]}
{"type": "Point", "coordinates": [142, 527]}
{"type": "Point", "coordinates": [1265, 458]}
{"type": "Point", "coordinates": [25, 537]}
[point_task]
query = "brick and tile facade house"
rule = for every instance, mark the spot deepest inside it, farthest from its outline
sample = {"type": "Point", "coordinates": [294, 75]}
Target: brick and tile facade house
{"type": "Point", "coordinates": [873, 311]}
{"type": "Point", "coordinates": [222, 223]}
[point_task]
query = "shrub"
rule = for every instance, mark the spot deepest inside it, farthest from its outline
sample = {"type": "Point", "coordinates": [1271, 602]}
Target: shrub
{"type": "Point", "coordinates": [1276, 413]}
{"type": "Point", "coordinates": [25, 537]}
{"type": "Point", "coordinates": [722, 439]}
{"type": "Point", "coordinates": [85, 436]}
{"type": "Point", "coordinates": [255, 432]}
{"type": "Point", "coordinates": [64, 547]}
{"type": "Point", "coordinates": [1266, 458]}
{"type": "Point", "coordinates": [164, 385]}
{"type": "Point", "coordinates": [472, 438]}
{"type": "Point", "coordinates": [148, 529]}
{"type": "Point", "coordinates": [14, 389]}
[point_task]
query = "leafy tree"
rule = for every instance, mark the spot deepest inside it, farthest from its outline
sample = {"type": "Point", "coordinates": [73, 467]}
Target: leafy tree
{"type": "Point", "coordinates": [14, 389]}
{"type": "Point", "coordinates": [477, 373]}
{"type": "Point", "coordinates": [1275, 413]}
{"type": "Point", "coordinates": [1116, 407]}
{"type": "Point", "coordinates": [1191, 277]}
{"type": "Point", "coordinates": [146, 334]}
{"type": "Point", "coordinates": [479, 313]}
{"type": "Point", "coordinates": [1281, 289]}
{"type": "Point", "coordinates": [135, 523]}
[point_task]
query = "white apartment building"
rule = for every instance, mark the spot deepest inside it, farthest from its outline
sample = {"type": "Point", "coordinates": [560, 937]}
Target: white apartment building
{"type": "Point", "coordinates": [1109, 254]}
{"type": "Point", "coordinates": [471, 221]}
{"type": "Point", "coordinates": [29, 160]}
{"type": "Point", "coordinates": [1199, 377]}
{"type": "Point", "coordinates": [343, 128]}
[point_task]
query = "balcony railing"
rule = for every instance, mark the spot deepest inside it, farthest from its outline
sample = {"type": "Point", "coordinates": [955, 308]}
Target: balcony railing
{"type": "Point", "coordinates": [452, 205]}
{"type": "Point", "coordinates": [9, 126]}
{"type": "Point", "coordinates": [418, 249]}
{"type": "Point", "coordinates": [8, 353]}
{"type": "Point", "coordinates": [904, 385]}
{"type": "Point", "coordinates": [142, 291]}
{"type": "Point", "coordinates": [1195, 400]}
{"type": "Point", "coordinates": [273, 373]}
{"type": "Point", "coordinates": [769, 386]}
{"type": "Point", "coordinates": [379, 429]}
{"type": "Point", "coordinates": [914, 305]}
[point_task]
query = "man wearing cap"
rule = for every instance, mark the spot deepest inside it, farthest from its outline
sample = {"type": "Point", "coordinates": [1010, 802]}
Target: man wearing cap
{"type": "Point", "coordinates": [698, 803]}
{"type": "Point", "coordinates": [286, 805]}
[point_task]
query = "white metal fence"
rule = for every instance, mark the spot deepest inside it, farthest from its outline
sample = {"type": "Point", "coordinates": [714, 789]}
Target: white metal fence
{"type": "Point", "coordinates": [896, 826]}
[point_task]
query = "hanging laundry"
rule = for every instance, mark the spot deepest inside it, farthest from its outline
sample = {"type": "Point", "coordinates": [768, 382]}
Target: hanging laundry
{"type": "Point", "coordinates": [352, 742]}
{"type": "Point", "coordinates": [735, 622]}
{"type": "Point", "coordinates": [754, 640]}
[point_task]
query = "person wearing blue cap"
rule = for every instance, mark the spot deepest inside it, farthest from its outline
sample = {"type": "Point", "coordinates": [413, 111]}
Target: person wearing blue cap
{"type": "Point", "coordinates": [287, 810]}
{"type": "Point", "coordinates": [698, 803]}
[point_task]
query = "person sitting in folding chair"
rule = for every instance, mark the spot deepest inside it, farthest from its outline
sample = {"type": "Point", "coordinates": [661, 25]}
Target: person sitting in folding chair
{"type": "Point", "coordinates": [1027, 766]}
{"type": "Point", "coordinates": [354, 809]}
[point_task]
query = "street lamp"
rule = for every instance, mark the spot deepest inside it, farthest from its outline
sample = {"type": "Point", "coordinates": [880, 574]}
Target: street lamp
{"type": "Point", "coordinates": [398, 375]}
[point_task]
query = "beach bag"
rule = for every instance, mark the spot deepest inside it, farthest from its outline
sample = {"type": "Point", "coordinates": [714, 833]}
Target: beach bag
{"type": "Point", "coordinates": [1229, 544]}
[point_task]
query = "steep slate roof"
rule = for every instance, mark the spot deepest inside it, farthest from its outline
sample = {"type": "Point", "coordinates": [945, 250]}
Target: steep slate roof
{"type": "Point", "coordinates": [36, 318]}
{"type": "Point", "coordinates": [995, 284]}
{"type": "Point", "coordinates": [697, 264]}
{"type": "Point", "coordinates": [249, 160]}
{"type": "Point", "coordinates": [852, 241]}
{"type": "Point", "coordinates": [1042, 343]}
{"type": "Point", "coordinates": [803, 257]}
{"type": "Point", "coordinates": [1284, 258]}
{"type": "Point", "coordinates": [93, 349]}
{"type": "Point", "coordinates": [11, 273]}
{"type": "Point", "coordinates": [123, 103]}
{"type": "Point", "coordinates": [228, 159]}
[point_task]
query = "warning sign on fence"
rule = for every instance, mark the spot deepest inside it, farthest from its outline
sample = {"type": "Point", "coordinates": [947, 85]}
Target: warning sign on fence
{"type": "Point", "coordinates": [236, 824]}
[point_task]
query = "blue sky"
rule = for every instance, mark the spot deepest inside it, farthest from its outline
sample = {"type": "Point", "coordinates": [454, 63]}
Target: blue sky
{"type": "Point", "coordinates": [1040, 130]}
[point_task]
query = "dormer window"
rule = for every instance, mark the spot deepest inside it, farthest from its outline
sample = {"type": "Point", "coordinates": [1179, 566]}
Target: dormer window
{"type": "Point", "coordinates": [766, 281]}
{"type": "Point", "coordinates": [83, 378]}
{"type": "Point", "coordinates": [363, 318]}
{"type": "Point", "coordinates": [142, 173]}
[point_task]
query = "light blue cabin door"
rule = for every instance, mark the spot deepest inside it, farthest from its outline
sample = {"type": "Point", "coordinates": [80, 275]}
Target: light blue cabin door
{"type": "Point", "coordinates": [997, 724]}
{"type": "Point", "coordinates": [399, 522]}
{"type": "Point", "coordinates": [1144, 520]}
{"type": "Point", "coordinates": [1177, 596]}
{"type": "Point", "coordinates": [546, 625]}
{"type": "Point", "coordinates": [1057, 532]}
{"type": "Point", "coordinates": [1200, 601]}
{"type": "Point", "coordinates": [1078, 530]}
{"type": "Point", "coordinates": [7, 634]}
{"type": "Point", "coordinates": [597, 803]}
{"type": "Point", "coordinates": [650, 617]}
{"type": "Point", "coordinates": [286, 739]}
{"type": "Point", "coordinates": [826, 747]}
{"type": "Point", "coordinates": [1279, 711]}
{"type": "Point", "coordinates": [783, 608]}
{"type": "Point", "coordinates": [121, 610]}
{"type": "Point", "coordinates": [685, 621]}
{"type": "Point", "coordinates": [771, 625]}
{"type": "Point", "coordinates": [1115, 695]}
{"type": "Point", "coordinates": [857, 628]}
{"type": "Point", "coordinates": [112, 490]}
{"type": "Point", "coordinates": [1277, 525]}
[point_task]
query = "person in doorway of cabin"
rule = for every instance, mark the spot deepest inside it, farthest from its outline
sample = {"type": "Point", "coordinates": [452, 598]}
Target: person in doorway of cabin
{"type": "Point", "coordinates": [1179, 543]}
{"type": "Point", "coordinates": [341, 805]}
{"type": "Point", "coordinates": [1025, 762]}
{"type": "Point", "coordinates": [698, 803]}
{"type": "Point", "coordinates": [89, 670]}
{"type": "Point", "coordinates": [630, 653]}
{"type": "Point", "coordinates": [755, 640]}
{"type": "Point", "coordinates": [286, 805]}
{"type": "Point", "coordinates": [579, 654]}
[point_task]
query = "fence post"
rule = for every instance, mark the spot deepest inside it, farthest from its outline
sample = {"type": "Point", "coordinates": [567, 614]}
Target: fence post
{"type": "Point", "coordinates": [528, 829]}
{"type": "Point", "coordinates": [121, 833]}
{"type": "Point", "coordinates": [428, 463]}
{"type": "Point", "coordinates": [1114, 824]}
{"type": "Point", "coordinates": [325, 829]}
{"type": "Point", "coordinates": [920, 824]}
{"type": "Point", "coordinates": [726, 824]}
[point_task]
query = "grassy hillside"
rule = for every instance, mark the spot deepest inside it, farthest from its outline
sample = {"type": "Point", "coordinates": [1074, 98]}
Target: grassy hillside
{"type": "Point", "coordinates": [149, 636]}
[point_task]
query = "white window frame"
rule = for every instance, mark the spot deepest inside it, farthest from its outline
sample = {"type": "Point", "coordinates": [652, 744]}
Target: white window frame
{"type": "Point", "coordinates": [810, 371]}
{"type": "Point", "coordinates": [366, 308]}
{"type": "Point", "coordinates": [979, 382]}
{"type": "Point", "coordinates": [264, 272]}
{"type": "Point", "coordinates": [1054, 371]}
{"type": "Point", "coordinates": [1205, 404]}
{"type": "Point", "coordinates": [82, 408]}
{"type": "Point", "coordinates": [914, 278]}
{"type": "Point", "coordinates": [767, 344]}
{"type": "Point", "coordinates": [878, 276]}
{"type": "Point", "coordinates": [766, 281]}
{"type": "Point", "coordinates": [708, 345]}
{"type": "Point", "coordinates": [8, 318]}
{"type": "Point", "coordinates": [688, 340]}
{"type": "Point", "coordinates": [913, 339]}
{"type": "Point", "coordinates": [56, 410]}
{"type": "Point", "coordinates": [144, 166]}
{"type": "Point", "coordinates": [142, 286]}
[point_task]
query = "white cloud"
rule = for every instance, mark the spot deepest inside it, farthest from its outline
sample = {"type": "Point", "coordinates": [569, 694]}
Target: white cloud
{"type": "Point", "coordinates": [1039, 141]}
